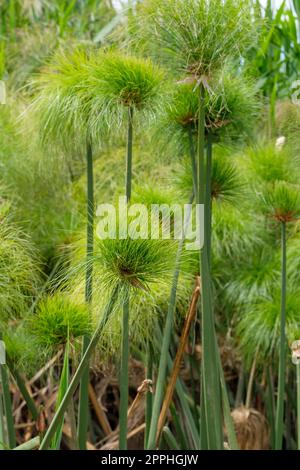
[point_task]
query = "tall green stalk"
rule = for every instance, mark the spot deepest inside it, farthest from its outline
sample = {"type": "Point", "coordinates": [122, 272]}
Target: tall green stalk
{"type": "Point", "coordinates": [166, 341]}
{"type": "Point", "coordinates": [210, 372]}
{"type": "Point", "coordinates": [83, 416]}
{"type": "Point", "coordinates": [193, 159]}
{"type": "Point", "coordinates": [281, 373]}
{"type": "Point", "coordinates": [208, 205]}
{"type": "Point", "coordinates": [129, 154]}
{"type": "Point", "coordinates": [63, 387]}
{"type": "Point", "coordinates": [208, 236]}
{"type": "Point", "coordinates": [125, 320]}
{"type": "Point", "coordinates": [78, 374]}
{"type": "Point", "coordinates": [124, 377]}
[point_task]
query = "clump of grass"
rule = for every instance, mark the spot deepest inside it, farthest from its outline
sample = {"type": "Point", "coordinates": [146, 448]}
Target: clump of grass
{"type": "Point", "coordinates": [150, 195]}
{"type": "Point", "coordinates": [19, 272]}
{"type": "Point", "coordinates": [58, 318]}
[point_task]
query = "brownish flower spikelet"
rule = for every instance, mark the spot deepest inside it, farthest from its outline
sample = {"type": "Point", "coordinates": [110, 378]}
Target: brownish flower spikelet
{"type": "Point", "coordinates": [251, 429]}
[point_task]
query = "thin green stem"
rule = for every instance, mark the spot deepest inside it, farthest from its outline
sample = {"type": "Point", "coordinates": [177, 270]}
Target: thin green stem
{"type": "Point", "coordinates": [163, 360]}
{"type": "Point", "coordinates": [83, 413]}
{"type": "Point", "coordinates": [226, 410]}
{"type": "Point", "coordinates": [78, 374]}
{"type": "Point", "coordinates": [90, 223]}
{"type": "Point", "coordinates": [125, 319]}
{"type": "Point", "coordinates": [281, 373]}
{"type": "Point", "coordinates": [124, 378]}
{"type": "Point", "coordinates": [8, 407]}
{"type": "Point", "coordinates": [23, 389]}
{"type": "Point", "coordinates": [251, 381]}
{"type": "Point", "coordinates": [208, 187]}
{"type": "Point", "coordinates": [193, 159]}
{"type": "Point", "coordinates": [129, 154]}
{"type": "Point", "coordinates": [203, 426]}
{"type": "Point", "coordinates": [240, 388]}
{"type": "Point", "coordinates": [210, 372]}
{"type": "Point", "coordinates": [298, 405]}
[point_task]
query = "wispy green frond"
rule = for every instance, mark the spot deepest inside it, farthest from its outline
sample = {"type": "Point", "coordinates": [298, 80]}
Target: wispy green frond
{"type": "Point", "coordinates": [64, 99]}
{"type": "Point", "coordinates": [227, 184]}
{"type": "Point", "coordinates": [281, 201]}
{"type": "Point", "coordinates": [266, 163]}
{"type": "Point", "coordinates": [59, 317]}
{"type": "Point", "coordinates": [231, 107]}
{"type": "Point", "coordinates": [260, 325]}
{"type": "Point", "coordinates": [19, 272]}
{"type": "Point", "coordinates": [124, 81]}
{"type": "Point", "coordinates": [194, 37]}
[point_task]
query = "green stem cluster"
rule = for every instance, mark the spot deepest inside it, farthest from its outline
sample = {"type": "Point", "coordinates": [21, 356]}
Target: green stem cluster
{"type": "Point", "coordinates": [79, 373]}
{"type": "Point", "coordinates": [166, 341]}
{"type": "Point", "coordinates": [211, 416]}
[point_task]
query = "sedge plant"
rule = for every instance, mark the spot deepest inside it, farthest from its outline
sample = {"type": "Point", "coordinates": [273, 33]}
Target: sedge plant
{"type": "Point", "coordinates": [281, 202]}
{"type": "Point", "coordinates": [194, 39]}
{"type": "Point", "coordinates": [125, 265]}
{"type": "Point", "coordinates": [59, 321]}
{"type": "Point", "coordinates": [64, 104]}
{"type": "Point", "coordinates": [19, 272]}
{"type": "Point", "coordinates": [128, 85]}
{"type": "Point", "coordinates": [221, 119]}
{"type": "Point", "coordinates": [19, 279]}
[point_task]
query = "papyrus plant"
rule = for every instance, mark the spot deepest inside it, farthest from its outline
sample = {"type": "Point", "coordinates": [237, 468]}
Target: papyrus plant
{"type": "Point", "coordinates": [222, 105]}
{"type": "Point", "coordinates": [127, 85]}
{"type": "Point", "coordinates": [58, 322]}
{"type": "Point", "coordinates": [64, 104]}
{"type": "Point", "coordinates": [281, 202]}
{"type": "Point", "coordinates": [127, 264]}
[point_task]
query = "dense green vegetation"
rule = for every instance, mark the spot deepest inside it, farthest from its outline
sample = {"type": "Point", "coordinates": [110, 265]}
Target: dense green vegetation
{"type": "Point", "coordinates": [161, 102]}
